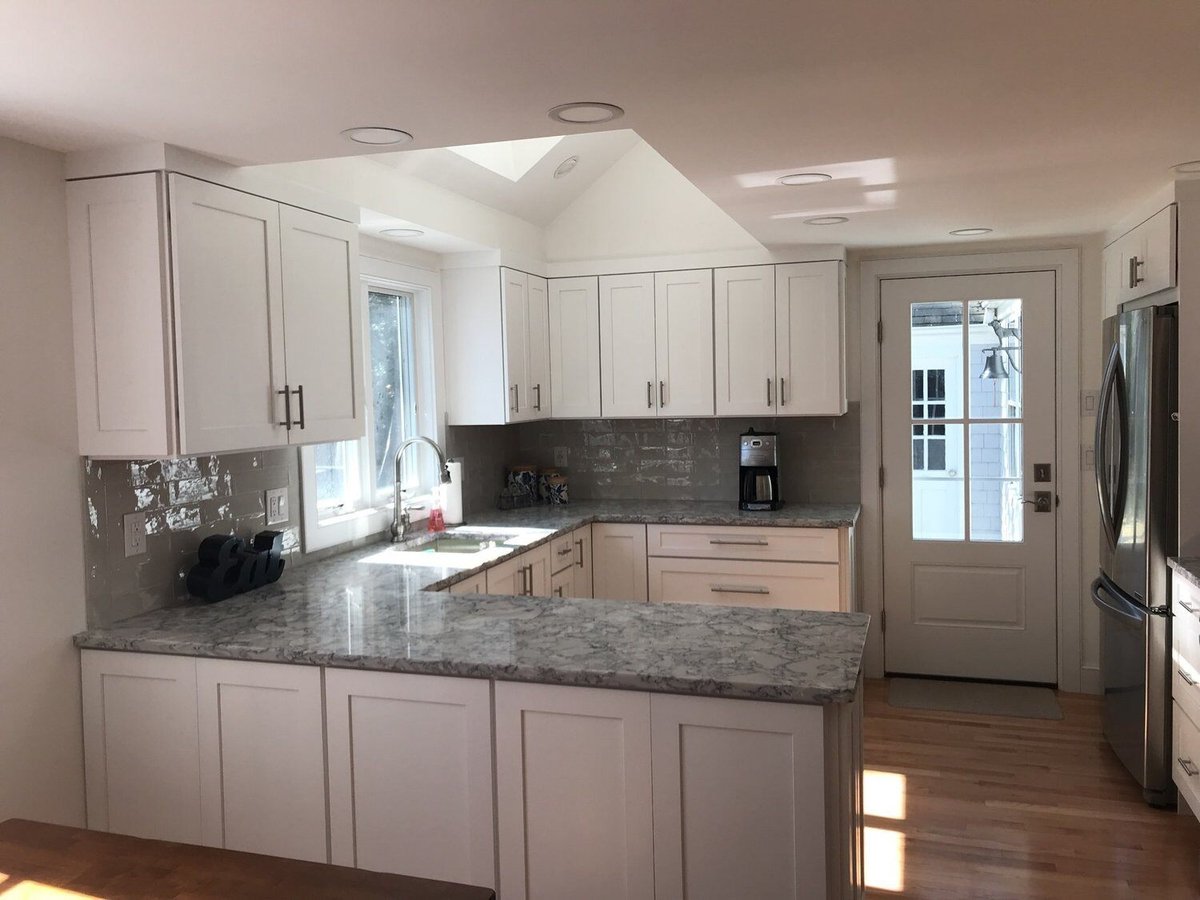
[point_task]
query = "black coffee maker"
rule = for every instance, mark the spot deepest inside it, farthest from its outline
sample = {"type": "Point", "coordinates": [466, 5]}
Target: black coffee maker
{"type": "Point", "coordinates": [758, 483]}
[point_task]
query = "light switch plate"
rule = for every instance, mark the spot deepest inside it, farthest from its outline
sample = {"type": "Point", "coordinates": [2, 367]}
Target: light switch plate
{"type": "Point", "coordinates": [560, 457]}
{"type": "Point", "coordinates": [1088, 457]}
{"type": "Point", "coordinates": [277, 506]}
{"type": "Point", "coordinates": [135, 533]}
{"type": "Point", "coordinates": [1088, 402]}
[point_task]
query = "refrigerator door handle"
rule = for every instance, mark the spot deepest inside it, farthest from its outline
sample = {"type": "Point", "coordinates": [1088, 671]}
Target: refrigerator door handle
{"type": "Point", "coordinates": [1102, 468]}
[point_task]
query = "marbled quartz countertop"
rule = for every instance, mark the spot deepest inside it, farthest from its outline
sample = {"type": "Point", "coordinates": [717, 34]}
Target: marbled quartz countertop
{"type": "Point", "coordinates": [367, 610]}
{"type": "Point", "coordinates": [1188, 567]}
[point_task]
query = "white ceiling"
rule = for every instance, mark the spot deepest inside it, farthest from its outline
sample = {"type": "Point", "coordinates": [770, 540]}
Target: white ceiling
{"type": "Point", "coordinates": [537, 196]}
{"type": "Point", "coordinates": [1031, 117]}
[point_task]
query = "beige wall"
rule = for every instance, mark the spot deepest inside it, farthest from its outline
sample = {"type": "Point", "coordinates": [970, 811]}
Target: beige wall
{"type": "Point", "coordinates": [41, 537]}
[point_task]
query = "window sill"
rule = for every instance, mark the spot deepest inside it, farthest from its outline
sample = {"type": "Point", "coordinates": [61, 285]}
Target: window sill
{"type": "Point", "coordinates": [360, 523]}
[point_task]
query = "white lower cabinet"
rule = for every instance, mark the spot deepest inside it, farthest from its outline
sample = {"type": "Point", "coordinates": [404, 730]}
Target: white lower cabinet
{"type": "Point", "coordinates": [262, 763]}
{"type": "Point", "coordinates": [581, 538]}
{"type": "Point", "coordinates": [476, 584]}
{"type": "Point", "coordinates": [141, 748]}
{"type": "Point", "coordinates": [774, 585]}
{"type": "Point", "coordinates": [527, 575]}
{"type": "Point", "coordinates": [619, 562]}
{"type": "Point", "coordinates": [573, 793]}
{"type": "Point", "coordinates": [739, 799]}
{"type": "Point", "coordinates": [410, 774]}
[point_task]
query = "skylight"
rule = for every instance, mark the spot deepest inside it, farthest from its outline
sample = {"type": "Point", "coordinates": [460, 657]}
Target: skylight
{"type": "Point", "coordinates": [510, 159]}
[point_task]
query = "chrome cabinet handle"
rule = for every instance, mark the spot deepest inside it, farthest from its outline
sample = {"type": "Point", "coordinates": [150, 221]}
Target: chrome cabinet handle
{"type": "Point", "coordinates": [558, 591]}
{"type": "Point", "coordinates": [782, 396]}
{"type": "Point", "coordinates": [524, 584]}
{"type": "Point", "coordinates": [538, 403]}
{"type": "Point", "coordinates": [287, 407]}
{"type": "Point", "coordinates": [740, 542]}
{"type": "Point", "coordinates": [769, 393]}
{"type": "Point", "coordinates": [1188, 766]}
{"type": "Point", "coordinates": [1186, 677]}
{"type": "Point", "coordinates": [738, 589]}
{"type": "Point", "coordinates": [529, 581]}
{"type": "Point", "coordinates": [1188, 606]}
{"type": "Point", "coordinates": [649, 395]}
{"type": "Point", "coordinates": [662, 386]}
{"type": "Point", "coordinates": [579, 544]}
{"type": "Point", "coordinates": [517, 394]}
{"type": "Point", "coordinates": [299, 392]}
{"type": "Point", "coordinates": [1134, 264]}
{"type": "Point", "coordinates": [512, 404]}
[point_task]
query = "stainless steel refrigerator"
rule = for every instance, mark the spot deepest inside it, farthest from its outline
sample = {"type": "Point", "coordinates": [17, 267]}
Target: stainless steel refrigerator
{"type": "Point", "coordinates": [1136, 476]}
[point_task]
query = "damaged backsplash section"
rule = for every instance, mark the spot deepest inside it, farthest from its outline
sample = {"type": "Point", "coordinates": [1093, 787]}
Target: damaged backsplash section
{"type": "Point", "coordinates": [185, 500]}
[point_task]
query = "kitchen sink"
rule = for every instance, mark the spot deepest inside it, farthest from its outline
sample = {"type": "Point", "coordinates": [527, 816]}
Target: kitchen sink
{"type": "Point", "coordinates": [454, 545]}
{"type": "Point", "coordinates": [458, 549]}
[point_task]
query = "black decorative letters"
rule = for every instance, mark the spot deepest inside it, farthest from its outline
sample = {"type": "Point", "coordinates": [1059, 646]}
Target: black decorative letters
{"type": "Point", "coordinates": [229, 566]}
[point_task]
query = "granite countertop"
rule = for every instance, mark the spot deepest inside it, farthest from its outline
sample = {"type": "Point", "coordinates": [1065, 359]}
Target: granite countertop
{"type": "Point", "coordinates": [367, 610]}
{"type": "Point", "coordinates": [1188, 567]}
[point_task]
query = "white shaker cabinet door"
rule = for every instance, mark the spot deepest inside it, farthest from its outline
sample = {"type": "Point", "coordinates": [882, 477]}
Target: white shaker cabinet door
{"type": "Point", "coordinates": [744, 311]}
{"type": "Point", "coordinates": [582, 562]}
{"type": "Point", "coordinates": [811, 333]}
{"type": "Point", "coordinates": [228, 318]}
{"type": "Point", "coordinates": [573, 793]}
{"type": "Point", "coordinates": [322, 304]}
{"type": "Point", "coordinates": [262, 760]}
{"type": "Point", "coordinates": [514, 290]}
{"type": "Point", "coordinates": [739, 799]}
{"type": "Point", "coordinates": [537, 345]}
{"type": "Point", "coordinates": [141, 748]}
{"type": "Point", "coordinates": [575, 348]}
{"type": "Point", "coordinates": [683, 328]}
{"type": "Point", "coordinates": [628, 373]}
{"type": "Point", "coordinates": [410, 774]}
{"type": "Point", "coordinates": [619, 562]}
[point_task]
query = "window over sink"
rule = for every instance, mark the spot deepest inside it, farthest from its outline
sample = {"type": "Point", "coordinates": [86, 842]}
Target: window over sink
{"type": "Point", "coordinates": [347, 487]}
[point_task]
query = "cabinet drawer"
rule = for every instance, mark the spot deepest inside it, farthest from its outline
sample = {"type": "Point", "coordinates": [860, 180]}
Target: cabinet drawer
{"type": "Point", "coordinates": [741, 583]}
{"type": "Point", "coordinates": [1185, 626]}
{"type": "Point", "coordinates": [477, 584]}
{"type": "Point", "coordinates": [1185, 756]}
{"type": "Point", "coordinates": [562, 553]}
{"type": "Point", "coordinates": [739, 542]}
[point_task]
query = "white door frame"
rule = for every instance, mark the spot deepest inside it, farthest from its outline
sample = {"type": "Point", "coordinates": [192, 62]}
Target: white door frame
{"type": "Point", "coordinates": [1066, 266]}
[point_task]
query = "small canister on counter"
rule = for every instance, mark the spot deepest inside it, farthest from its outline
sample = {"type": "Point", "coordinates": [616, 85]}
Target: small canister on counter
{"type": "Point", "coordinates": [544, 476]}
{"type": "Point", "coordinates": [556, 489]}
{"type": "Point", "coordinates": [523, 482]}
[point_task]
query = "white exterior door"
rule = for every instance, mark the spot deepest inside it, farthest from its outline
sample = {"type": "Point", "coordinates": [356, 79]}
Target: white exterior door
{"type": "Point", "coordinates": [683, 326]}
{"type": "Point", "coordinates": [810, 328]}
{"type": "Point", "coordinates": [969, 552]}
{"type": "Point", "coordinates": [228, 317]}
{"type": "Point", "coordinates": [323, 315]}
{"type": "Point", "coordinates": [627, 371]}
{"type": "Point", "coordinates": [744, 305]}
{"type": "Point", "coordinates": [575, 348]}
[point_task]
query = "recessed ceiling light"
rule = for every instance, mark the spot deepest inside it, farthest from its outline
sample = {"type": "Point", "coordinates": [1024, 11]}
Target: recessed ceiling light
{"type": "Point", "coordinates": [970, 232]}
{"type": "Point", "coordinates": [402, 232]}
{"type": "Point", "coordinates": [1187, 168]}
{"type": "Point", "coordinates": [826, 220]}
{"type": "Point", "coordinates": [377, 135]}
{"type": "Point", "coordinates": [566, 166]}
{"type": "Point", "coordinates": [585, 112]}
{"type": "Point", "coordinates": [803, 178]}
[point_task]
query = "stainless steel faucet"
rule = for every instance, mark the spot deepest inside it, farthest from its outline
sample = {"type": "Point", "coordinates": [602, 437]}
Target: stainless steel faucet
{"type": "Point", "coordinates": [400, 517]}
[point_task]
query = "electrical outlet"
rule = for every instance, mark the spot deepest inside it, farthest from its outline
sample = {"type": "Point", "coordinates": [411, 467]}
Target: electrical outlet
{"type": "Point", "coordinates": [1088, 402]}
{"type": "Point", "coordinates": [560, 457]}
{"type": "Point", "coordinates": [277, 506]}
{"type": "Point", "coordinates": [1088, 456]}
{"type": "Point", "coordinates": [135, 534]}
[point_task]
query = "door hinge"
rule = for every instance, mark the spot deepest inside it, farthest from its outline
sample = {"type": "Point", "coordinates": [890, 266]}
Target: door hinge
{"type": "Point", "coordinates": [882, 477]}
{"type": "Point", "coordinates": [882, 621]}
{"type": "Point", "coordinates": [879, 331]}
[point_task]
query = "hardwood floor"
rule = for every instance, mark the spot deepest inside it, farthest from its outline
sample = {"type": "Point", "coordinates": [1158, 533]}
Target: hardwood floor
{"type": "Point", "coordinates": [962, 805]}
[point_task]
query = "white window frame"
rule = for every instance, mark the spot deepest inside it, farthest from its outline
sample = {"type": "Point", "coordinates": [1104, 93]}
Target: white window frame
{"type": "Point", "coordinates": [375, 517]}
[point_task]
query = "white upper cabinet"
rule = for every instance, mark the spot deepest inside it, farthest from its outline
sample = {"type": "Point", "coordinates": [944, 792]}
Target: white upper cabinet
{"type": "Point", "coordinates": [228, 318]}
{"type": "Point", "coordinates": [515, 313]}
{"type": "Point", "coordinates": [322, 306]}
{"type": "Point", "coordinates": [537, 366]}
{"type": "Point", "coordinates": [810, 334]}
{"type": "Point", "coordinates": [228, 329]}
{"type": "Point", "coordinates": [744, 305]}
{"type": "Point", "coordinates": [575, 348]}
{"type": "Point", "coordinates": [1142, 261]}
{"type": "Point", "coordinates": [627, 347]}
{"type": "Point", "coordinates": [683, 327]}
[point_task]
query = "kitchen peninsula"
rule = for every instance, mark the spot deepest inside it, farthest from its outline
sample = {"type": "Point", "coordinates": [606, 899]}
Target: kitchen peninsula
{"type": "Point", "coordinates": [359, 712]}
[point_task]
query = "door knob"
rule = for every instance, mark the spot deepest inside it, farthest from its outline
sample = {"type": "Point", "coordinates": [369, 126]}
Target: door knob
{"type": "Point", "coordinates": [1042, 502]}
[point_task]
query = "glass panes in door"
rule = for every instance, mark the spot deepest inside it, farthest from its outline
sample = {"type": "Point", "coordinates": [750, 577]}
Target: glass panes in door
{"type": "Point", "coordinates": [966, 406]}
